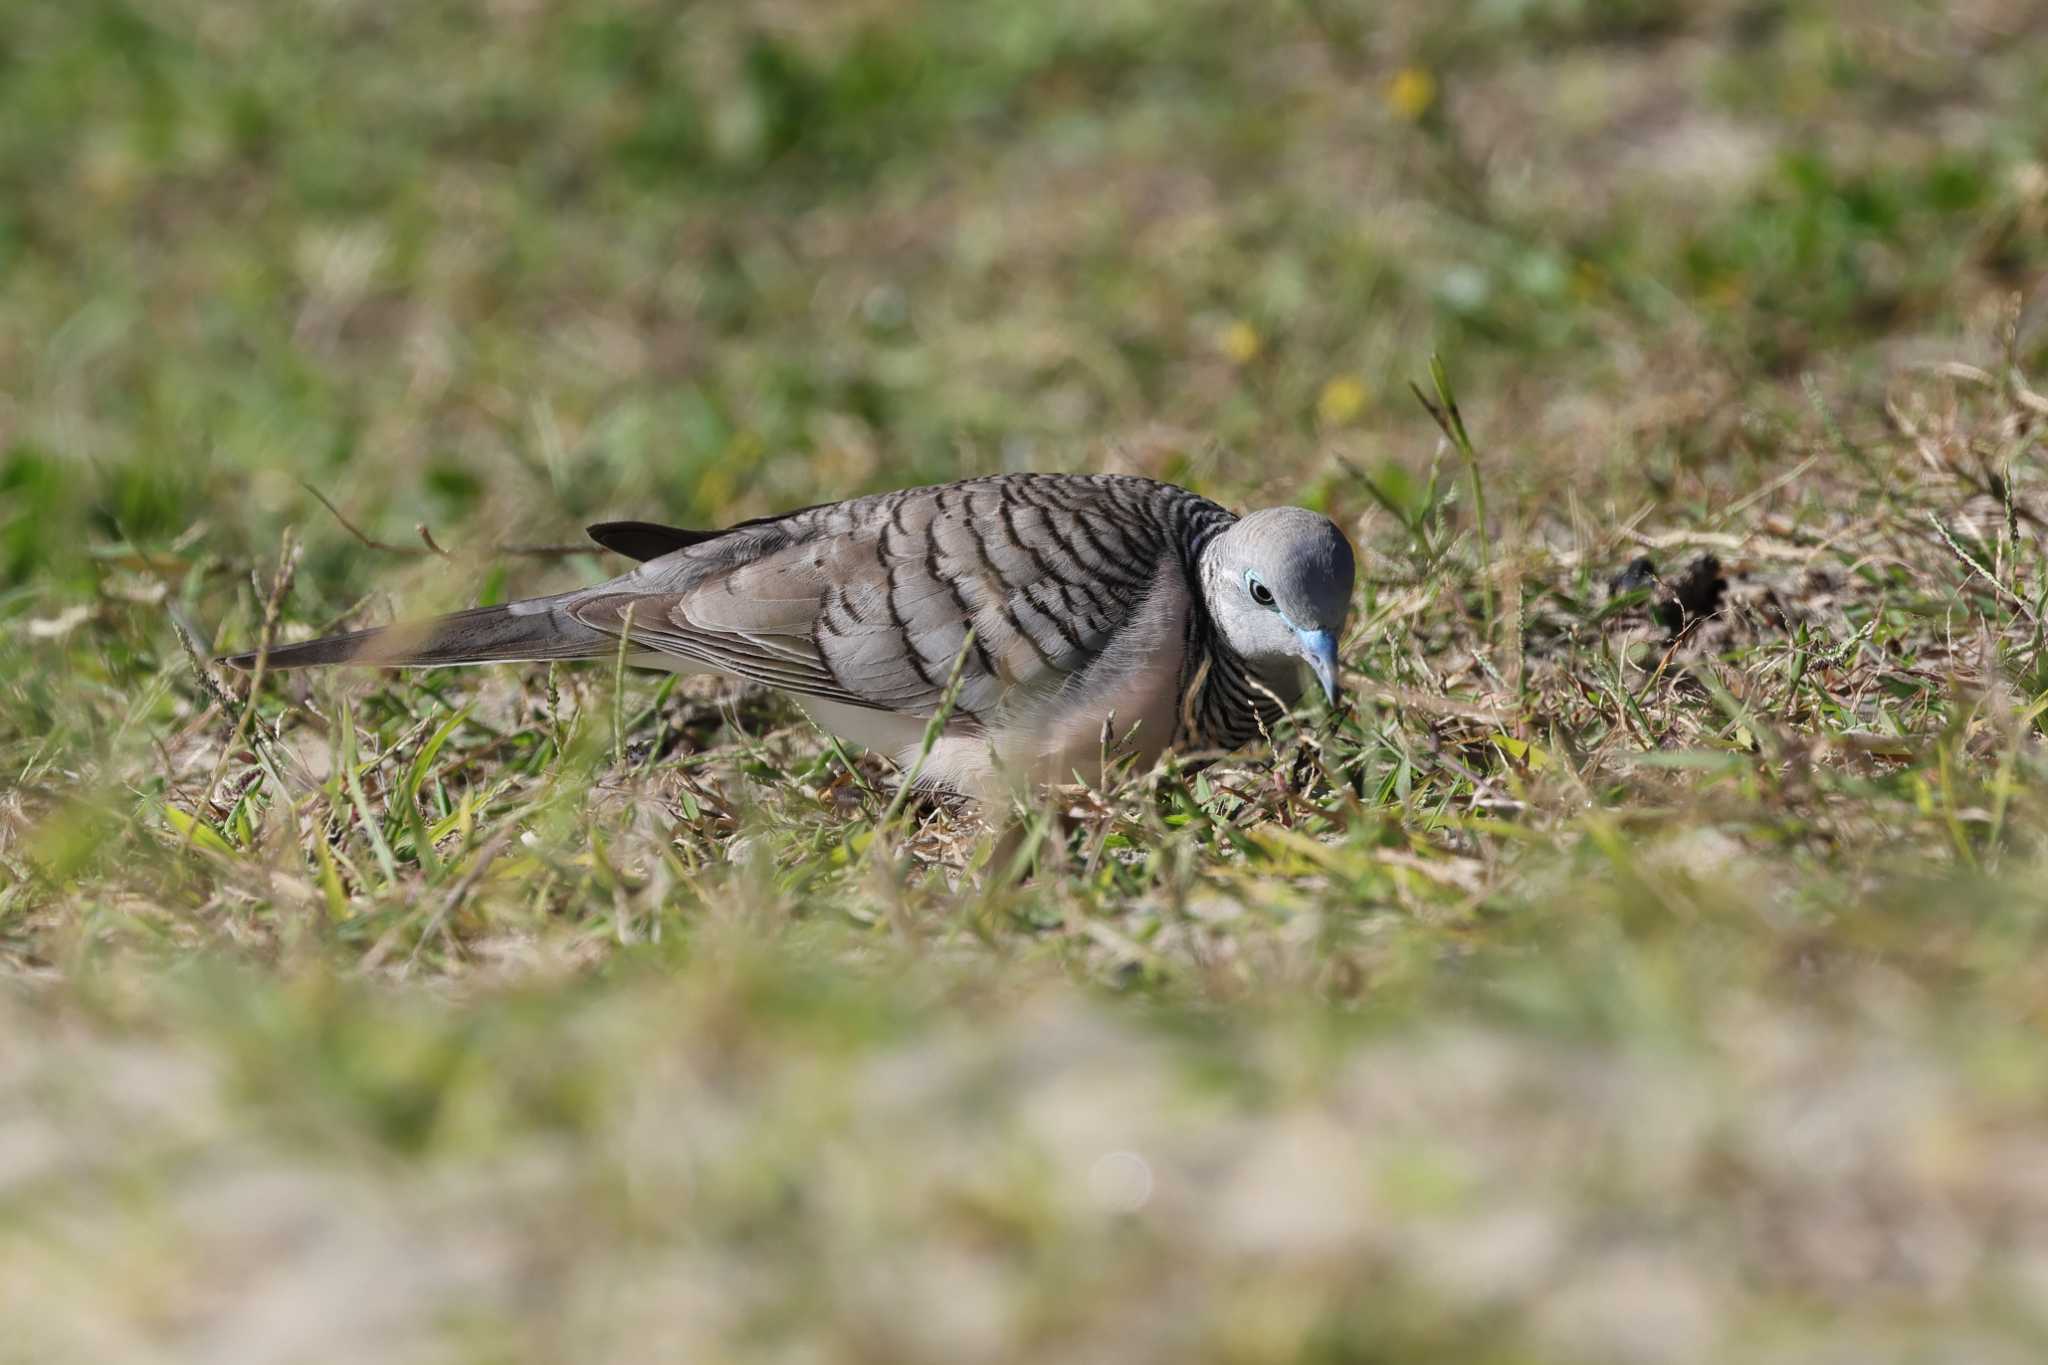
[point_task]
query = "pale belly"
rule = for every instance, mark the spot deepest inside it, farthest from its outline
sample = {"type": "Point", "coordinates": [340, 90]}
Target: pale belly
{"type": "Point", "coordinates": [1056, 741]}
{"type": "Point", "coordinates": [885, 732]}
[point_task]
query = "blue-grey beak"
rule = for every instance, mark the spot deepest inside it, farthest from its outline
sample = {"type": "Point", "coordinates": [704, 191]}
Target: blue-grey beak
{"type": "Point", "coordinates": [1319, 647]}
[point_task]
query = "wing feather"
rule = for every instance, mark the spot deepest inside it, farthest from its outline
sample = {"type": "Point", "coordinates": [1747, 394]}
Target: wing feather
{"type": "Point", "coordinates": [872, 607]}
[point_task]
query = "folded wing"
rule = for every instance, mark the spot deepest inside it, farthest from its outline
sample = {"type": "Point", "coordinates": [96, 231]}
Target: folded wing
{"type": "Point", "coordinates": [872, 602]}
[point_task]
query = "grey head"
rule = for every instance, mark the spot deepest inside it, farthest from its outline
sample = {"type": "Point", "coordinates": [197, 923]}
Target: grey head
{"type": "Point", "coordinates": [1278, 587]}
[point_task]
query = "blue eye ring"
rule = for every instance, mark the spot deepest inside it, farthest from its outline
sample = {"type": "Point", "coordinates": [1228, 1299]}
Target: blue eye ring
{"type": "Point", "coordinates": [1256, 586]}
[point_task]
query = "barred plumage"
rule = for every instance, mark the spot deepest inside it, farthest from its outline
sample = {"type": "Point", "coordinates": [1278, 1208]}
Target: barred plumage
{"type": "Point", "coordinates": [1064, 603]}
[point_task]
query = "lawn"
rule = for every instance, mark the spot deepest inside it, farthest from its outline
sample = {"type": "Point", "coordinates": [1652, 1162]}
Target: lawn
{"type": "Point", "coordinates": [1647, 963]}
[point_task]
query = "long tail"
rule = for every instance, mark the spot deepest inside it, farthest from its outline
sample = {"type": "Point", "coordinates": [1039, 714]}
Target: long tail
{"type": "Point", "coordinates": [537, 629]}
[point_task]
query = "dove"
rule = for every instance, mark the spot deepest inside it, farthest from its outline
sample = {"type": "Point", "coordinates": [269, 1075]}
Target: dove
{"type": "Point", "coordinates": [1059, 623]}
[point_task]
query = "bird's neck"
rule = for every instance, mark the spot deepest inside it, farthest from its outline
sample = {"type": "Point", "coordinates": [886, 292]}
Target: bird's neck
{"type": "Point", "coordinates": [1233, 701]}
{"type": "Point", "coordinates": [1230, 699]}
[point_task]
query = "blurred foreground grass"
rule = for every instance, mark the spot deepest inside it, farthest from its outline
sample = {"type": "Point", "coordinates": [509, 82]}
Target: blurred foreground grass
{"type": "Point", "coordinates": [1578, 994]}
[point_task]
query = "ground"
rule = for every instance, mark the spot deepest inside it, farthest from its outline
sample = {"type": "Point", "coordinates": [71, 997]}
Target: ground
{"type": "Point", "coordinates": [1647, 964]}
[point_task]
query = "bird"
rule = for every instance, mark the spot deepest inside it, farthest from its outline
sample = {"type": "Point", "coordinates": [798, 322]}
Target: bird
{"type": "Point", "coordinates": [1055, 624]}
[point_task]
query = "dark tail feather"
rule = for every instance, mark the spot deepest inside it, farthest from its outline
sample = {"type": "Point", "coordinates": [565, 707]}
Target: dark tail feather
{"type": "Point", "coordinates": [538, 629]}
{"type": "Point", "coordinates": [645, 540]}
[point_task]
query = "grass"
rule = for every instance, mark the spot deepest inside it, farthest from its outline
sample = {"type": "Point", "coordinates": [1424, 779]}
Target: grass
{"type": "Point", "coordinates": [1610, 980]}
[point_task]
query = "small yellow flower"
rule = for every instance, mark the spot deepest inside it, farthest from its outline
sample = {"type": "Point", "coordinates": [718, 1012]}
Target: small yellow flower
{"type": "Point", "coordinates": [108, 171]}
{"type": "Point", "coordinates": [1342, 399]}
{"type": "Point", "coordinates": [1731, 291]}
{"type": "Point", "coordinates": [715, 487]}
{"type": "Point", "coordinates": [1411, 92]}
{"type": "Point", "coordinates": [1241, 341]}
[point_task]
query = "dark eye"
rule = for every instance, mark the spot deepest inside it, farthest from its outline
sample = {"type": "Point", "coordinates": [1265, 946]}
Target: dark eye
{"type": "Point", "coordinates": [1261, 594]}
